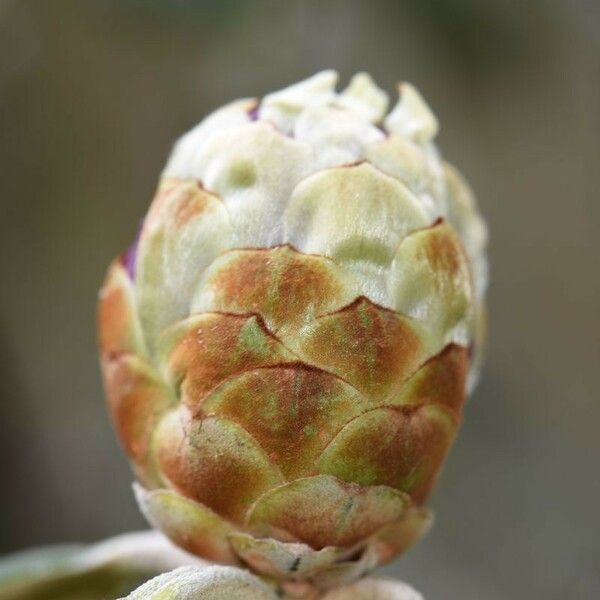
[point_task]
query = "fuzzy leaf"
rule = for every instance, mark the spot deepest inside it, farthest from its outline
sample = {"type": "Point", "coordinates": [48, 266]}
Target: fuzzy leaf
{"type": "Point", "coordinates": [75, 572]}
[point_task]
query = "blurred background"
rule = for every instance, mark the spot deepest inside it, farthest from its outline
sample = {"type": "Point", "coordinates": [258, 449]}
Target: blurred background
{"type": "Point", "coordinates": [92, 95]}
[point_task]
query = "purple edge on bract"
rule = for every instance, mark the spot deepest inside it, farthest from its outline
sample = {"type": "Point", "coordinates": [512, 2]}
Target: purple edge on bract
{"type": "Point", "coordinates": [128, 258]}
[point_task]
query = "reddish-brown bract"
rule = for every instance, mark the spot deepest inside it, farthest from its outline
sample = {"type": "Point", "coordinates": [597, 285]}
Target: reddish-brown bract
{"type": "Point", "coordinates": [374, 348]}
{"type": "Point", "coordinates": [137, 401]}
{"type": "Point", "coordinates": [285, 287]}
{"type": "Point", "coordinates": [118, 330]}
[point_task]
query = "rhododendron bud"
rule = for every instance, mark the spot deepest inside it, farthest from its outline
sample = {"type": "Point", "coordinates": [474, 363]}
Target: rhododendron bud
{"type": "Point", "coordinates": [287, 345]}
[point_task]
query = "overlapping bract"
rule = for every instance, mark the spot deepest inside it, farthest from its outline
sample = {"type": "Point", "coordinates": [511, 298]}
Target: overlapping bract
{"type": "Point", "coordinates": [286, 347]}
